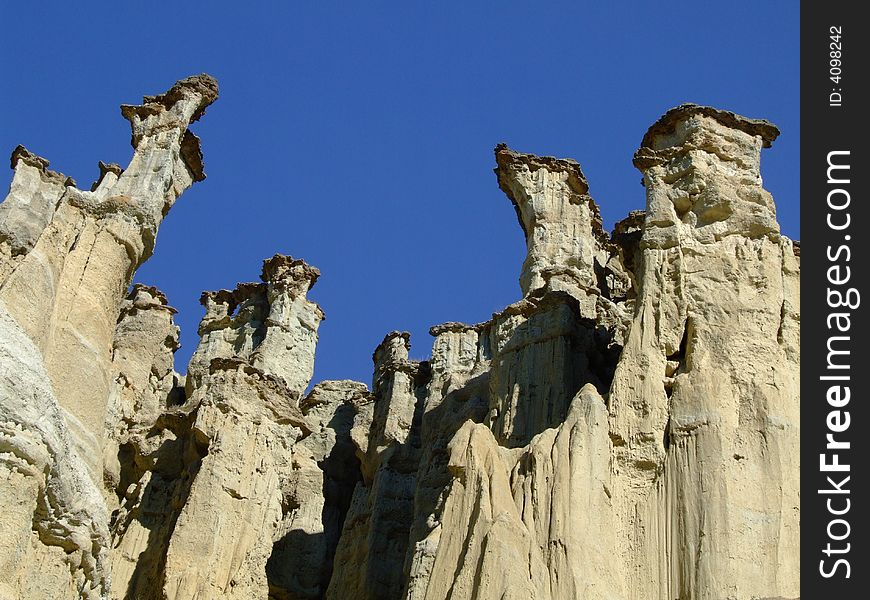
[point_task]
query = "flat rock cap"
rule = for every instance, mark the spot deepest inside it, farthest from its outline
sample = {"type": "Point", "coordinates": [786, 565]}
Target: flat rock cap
{"type": "Point", "coordinates": [668, 122]}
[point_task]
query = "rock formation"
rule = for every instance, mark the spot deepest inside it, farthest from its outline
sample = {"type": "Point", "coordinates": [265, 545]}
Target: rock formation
{"type": "Point", "coordinates": [67, 258]}
{"type": "Point", "coordinates": [627, 429]}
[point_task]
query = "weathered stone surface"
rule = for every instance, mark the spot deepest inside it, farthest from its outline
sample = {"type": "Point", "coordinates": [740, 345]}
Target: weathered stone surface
{"type": "Point", "coordinates": [157, 467]}
{"type": "Point", "coordinates": [562, 486]}
{"type": "Point", "coordinates": [261, 490]}
{"type": "Point", "coordinates": [247, 423]}
{"type": "Point", "coordinates": [627, 430]}
{"type": "Point", "coordinates": [561, 222]}
{"type": "Point", "coordinates": [705, 403]}
{"type": "Point", "coordinates": [318, 491]}
{"type": "Point", "coordinates": [272, 324]}
{"type": "Point", "coordinates": [28, 208]}
{"type": "Point", "coordinates": [54, 523]}
{"type": "Point", "coordinates": [145, 384]}
{"type": "Point", "coordinates": [543, 351]}
{"type": "Point", "coordinates": [369, 560]}
{"type": "Point", "coordinates": [66, 287]}
{"type": "Point", "coordinates": [620, 498]}
{"type": "Point", "coordinates": [470, 559]}
{"type": "Point", "coordinates": [68, 257]}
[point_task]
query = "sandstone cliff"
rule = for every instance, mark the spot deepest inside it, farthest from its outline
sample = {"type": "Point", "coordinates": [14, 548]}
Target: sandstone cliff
{"type": "Point", "coordinates": [627, 429]}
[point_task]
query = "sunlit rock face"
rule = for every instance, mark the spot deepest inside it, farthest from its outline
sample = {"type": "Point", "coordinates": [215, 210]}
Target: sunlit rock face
{"type": "Point", "coordinates": [67, 258]}
{"type": "Point", "coordinates": [705, 401]}
{"type": "Point", "coordinates": [626, 429]}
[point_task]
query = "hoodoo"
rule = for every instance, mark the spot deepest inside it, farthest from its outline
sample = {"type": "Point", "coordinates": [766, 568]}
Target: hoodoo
{"type": "Point", "coordinates": [626, 429]}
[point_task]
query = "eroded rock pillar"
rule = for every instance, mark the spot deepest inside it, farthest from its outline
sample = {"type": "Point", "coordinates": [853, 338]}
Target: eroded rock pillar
{"type": "Point", "coordinates": [562, 225]}
{"type": "Point", "coordinates": [704, 404]}
{"type": "Point", "coordinates": [66, 291]}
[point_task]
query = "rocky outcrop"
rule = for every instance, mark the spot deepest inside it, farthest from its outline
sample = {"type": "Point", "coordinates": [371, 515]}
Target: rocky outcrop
{"type": "Point", "coordinates": [318, 493]}
{"type": "Point", "coordinates": [54, 522]}
{"type": "Point", "coordinates": [561, 222]}
{"type": "Point", "coordinates": [66, 291]}
{"type": "Point", "coordinates": [68, 258]}
{"type": "Point", "coordinates": [254, 478]}
{"type": "Point", "coordinates": [595, 432]}
{"type": "Point", "coordinates": [627, 429]}
{"type": "Point", "coordinates": [705, 401]}
{"type": "Point", "coordinates": [146, 383]}
{"type": "Point", "coordinates": [369, 560]}
{"type": "Point", "coordinates": [272, 324]}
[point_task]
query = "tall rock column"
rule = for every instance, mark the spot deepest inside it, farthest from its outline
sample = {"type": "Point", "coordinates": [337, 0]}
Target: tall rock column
{"type": "Point", "coordinates": [516, 454]}
{"type": "Point", "coordinates": [67, 258]}
{"type": "Point", "coordinates": [272, 325]}
{"type": "Point", "coordinates": [145, 381]}
{"type": "Point", "coordinates": [562, 225]}
{"type": "Point", "coordinates": [235, 486]}
{"type": "Point", "coordinates": [705, 402]}
{"type": "Point", "coordinates": [246, 381]}
{"type": "Point", "coordinates": [566, 330]}
{"type": "Point", "coordinates": [246, 422]}
{"type": "Point", "coordinates": [318, 493]}
{"type": "Point", "coordinates": [370, 559]}
{"type": "Point", "coordinates": [66, 292]}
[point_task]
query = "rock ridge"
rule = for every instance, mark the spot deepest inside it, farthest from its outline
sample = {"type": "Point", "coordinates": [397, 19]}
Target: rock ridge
{"type": "Point", "coordinates": [626, 429]}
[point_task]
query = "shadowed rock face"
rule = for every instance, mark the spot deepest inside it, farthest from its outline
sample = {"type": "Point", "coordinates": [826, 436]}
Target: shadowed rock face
{"type": "Point", "coordinates": [628, 429]}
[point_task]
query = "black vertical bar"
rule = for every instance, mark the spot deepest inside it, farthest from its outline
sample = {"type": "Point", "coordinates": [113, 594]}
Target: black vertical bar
{"type": "Point", "coordinates": [835, 224]}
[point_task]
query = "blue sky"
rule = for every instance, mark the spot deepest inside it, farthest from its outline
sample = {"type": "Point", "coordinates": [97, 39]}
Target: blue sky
{"type": "Point", "coordinates": [359, 136]}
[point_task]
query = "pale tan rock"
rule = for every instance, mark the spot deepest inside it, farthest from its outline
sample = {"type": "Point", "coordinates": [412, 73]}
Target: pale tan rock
{"type": "Point", "coordinates": [628, 430]}
{"type": "Point", "coordinates": [222, 540]}
{"type": "Point", "coordinates": [561, 484]}
{"type": "Point", "coordinates": [67, 289]}
{"type": "Point", "coordinates": [394, 387]}
{"type": "Point", "coordinates": [269, 490]}
{"type": "Point", "coordinates": [561, 223]}
{"type": "Point", "coordinates": [543, 350]}
{"type": "Point", "coordinates": [28, 208]}
{"type": "Point", "coordinates": [146, 338]}
{"type": "Point", "coordinates": [556, 482]}
{"type": "Point", "coordinates": [150, 458]}
{"type": "Point", "coordinates": [246, 451]}
{"type": "Point", "coordinates": [67, 258]}
{"type": "Point", "coordinates": [370, 556]}
{"type": "Point", "coordinates": [482, 531]}
{"type": "Point", "coordinates": [546, 507]}
{"type": "Point", "coordinates": [272, 324]}
{"type": "Point", "coordinates": [157, 468]}
{"type": "Point", "coordinates": [707, 453]}
{"type": "Point", "coordinates": [145, 382]}
{"type": "Point", "coordinates": [458, 392]}
{"type": "Point", "coordinates": [576, 478]}
{"type": "Point", "coordinates": [54, 524]}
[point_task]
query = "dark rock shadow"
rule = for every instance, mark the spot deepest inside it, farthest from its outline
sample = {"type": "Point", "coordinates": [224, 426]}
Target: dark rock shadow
{"type": "Point", "coordinates": [591, 357]}
{"type": "Point", "coordinates": [300, 565]}
{"type": "Point", "coordinates": [174, 467]}
{"type": "Point", "coordinates": [546, 362]}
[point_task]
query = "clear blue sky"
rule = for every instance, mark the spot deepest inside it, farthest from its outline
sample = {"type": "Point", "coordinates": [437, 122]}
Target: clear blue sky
{"type": "Point", "coordinates": [359, 136]}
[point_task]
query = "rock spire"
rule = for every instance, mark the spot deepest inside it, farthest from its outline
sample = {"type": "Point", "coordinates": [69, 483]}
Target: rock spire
{"type": "Point", "coordinates": [627, 429]}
